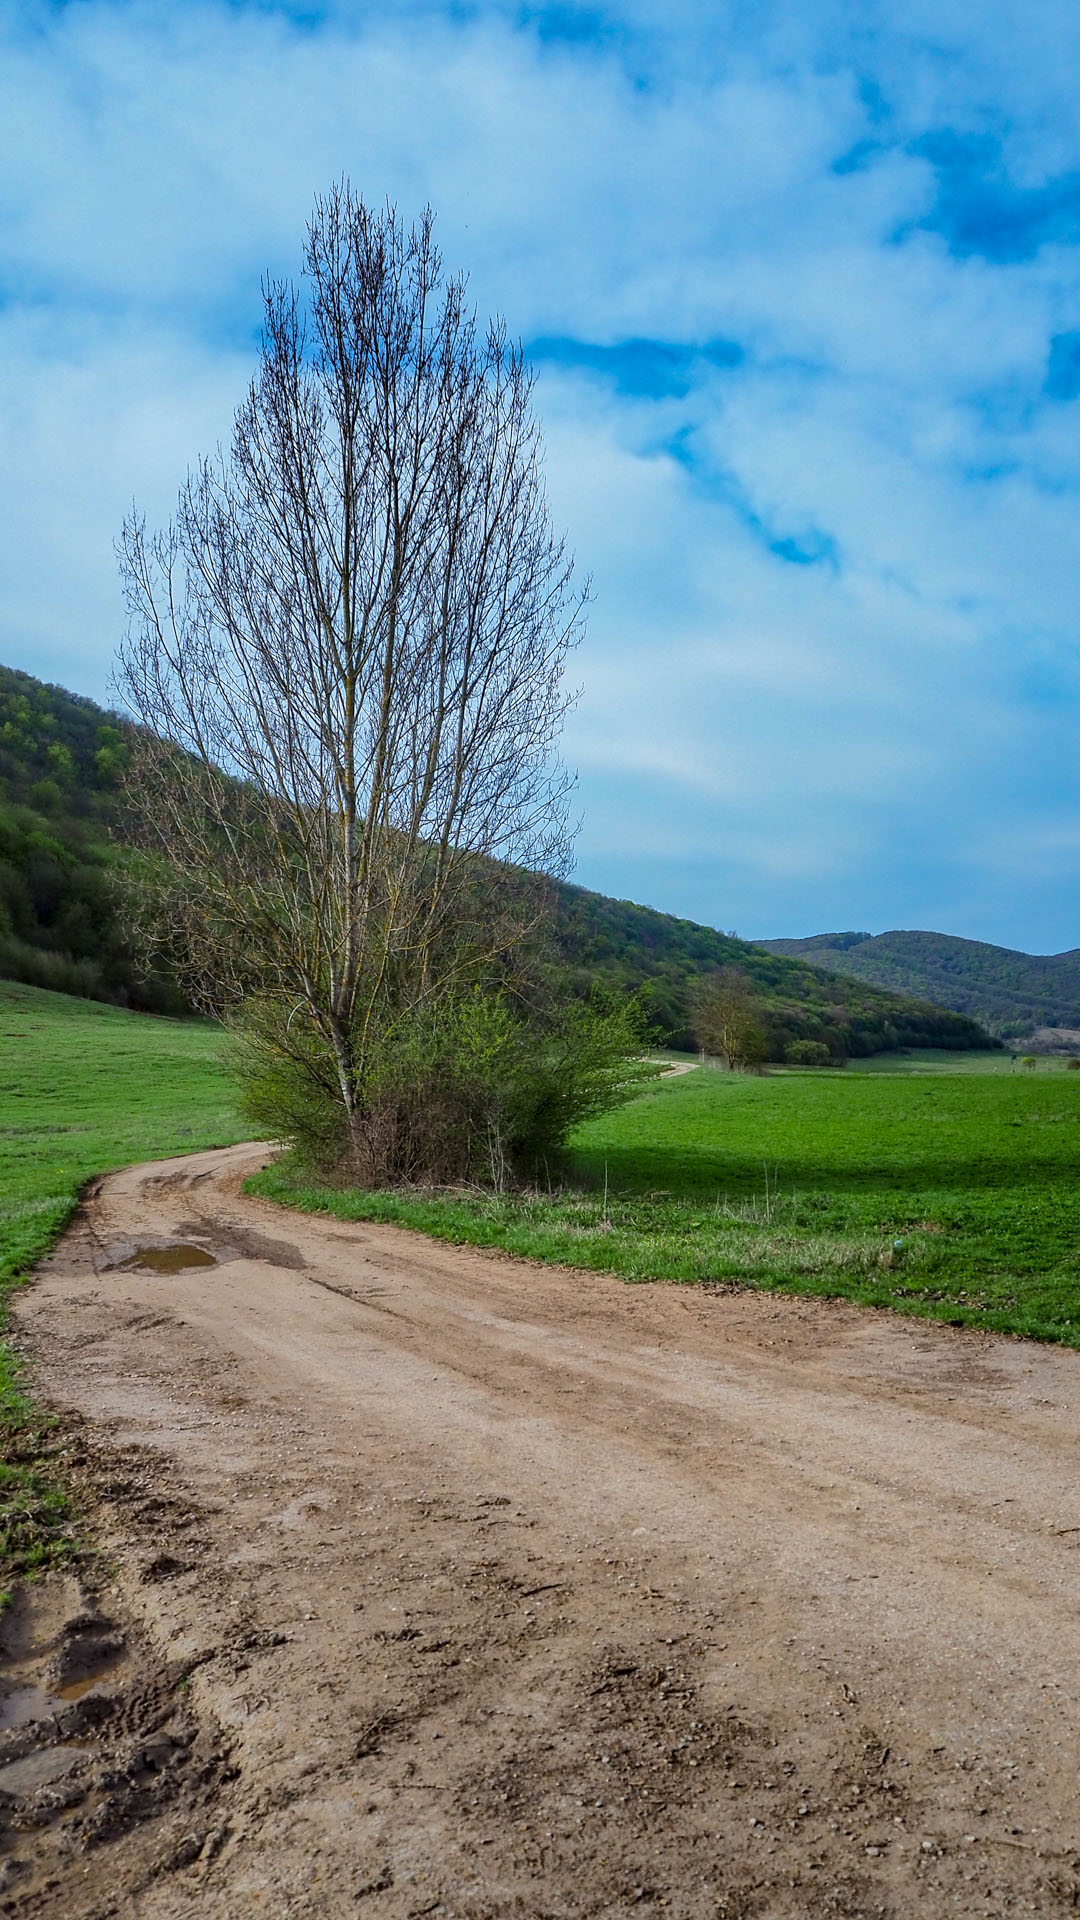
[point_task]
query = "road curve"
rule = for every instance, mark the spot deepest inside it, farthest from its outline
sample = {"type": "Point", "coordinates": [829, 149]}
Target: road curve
{"type": "Point", "coordinates": [511, 1590]}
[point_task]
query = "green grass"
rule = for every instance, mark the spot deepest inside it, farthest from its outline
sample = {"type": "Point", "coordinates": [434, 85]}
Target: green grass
{"type": "Point", "coordinates": [84, 1088]}
{"type": "Point", "coordinates": [952, 1194]}
{"type": "Point", "coordinates": [933, 1060]}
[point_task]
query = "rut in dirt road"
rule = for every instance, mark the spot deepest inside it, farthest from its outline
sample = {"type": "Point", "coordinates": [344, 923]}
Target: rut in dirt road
{"type": "Point", "coordinates": [468, 1587]}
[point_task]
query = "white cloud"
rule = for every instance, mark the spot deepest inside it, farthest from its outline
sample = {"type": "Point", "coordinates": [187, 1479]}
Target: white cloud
{"type": "Point", "coordinates": [821, 740]}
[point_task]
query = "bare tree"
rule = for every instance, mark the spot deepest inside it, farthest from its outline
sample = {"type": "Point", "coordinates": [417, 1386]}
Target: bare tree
{"type": "Point", "coordinates": [727, 1019]}
{"type": "Point", "coordinates": [347, 654]}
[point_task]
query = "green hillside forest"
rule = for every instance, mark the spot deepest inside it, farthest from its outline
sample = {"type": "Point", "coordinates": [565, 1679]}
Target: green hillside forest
{"type": "Point", "coordinates": [1010, 993]}
{"type": "Point", "coordinates": [61, 757]}
{"type": "Point", "coordinates": [630, 946]}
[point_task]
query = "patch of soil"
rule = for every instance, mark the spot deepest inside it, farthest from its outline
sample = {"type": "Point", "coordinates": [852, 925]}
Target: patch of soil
{"type": "Point", "coordinates": [433, 1583]}
{"type": "Point", "coordinates": [101, 1755]}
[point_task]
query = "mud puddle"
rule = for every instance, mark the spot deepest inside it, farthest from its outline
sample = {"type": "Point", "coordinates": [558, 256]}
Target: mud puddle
{"type": "Point", "coordinates": [171, 1257]}
{"type": "Point", "coordinates": [185, 1254]}
{"type": "Point", "coordinates": [97, 1739]}
{"type": "Point", "coordinates": [26, 1705]}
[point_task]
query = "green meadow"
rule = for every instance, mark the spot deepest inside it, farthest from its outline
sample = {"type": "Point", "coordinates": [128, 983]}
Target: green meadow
{"type": "Point", "coordinates": [84, 1088]}
{"type": "Point", "coordinates": [947, 1189]}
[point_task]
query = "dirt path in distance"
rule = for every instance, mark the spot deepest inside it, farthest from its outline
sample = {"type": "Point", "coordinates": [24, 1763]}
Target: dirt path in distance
{"type": "Point", "coordinates": [437, 1583]}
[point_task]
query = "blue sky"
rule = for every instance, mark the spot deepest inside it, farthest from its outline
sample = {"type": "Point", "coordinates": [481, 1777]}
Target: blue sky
{"type": "Point", "coordinates": [801, 286]}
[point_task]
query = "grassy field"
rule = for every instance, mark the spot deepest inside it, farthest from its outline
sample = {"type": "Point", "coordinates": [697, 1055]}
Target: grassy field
{"type": "Point", "coordinates": [925, 1060]}
{"type": "Point", "coordinates": [83, 1088]}
{"type": "Point", "coordinates": [946, 1191]}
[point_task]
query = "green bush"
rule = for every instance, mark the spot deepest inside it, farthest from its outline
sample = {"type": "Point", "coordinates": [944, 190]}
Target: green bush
{"type": "Point", "coordinates": [807, 1053]}
{"type": "Point", "coordinates": [467, 1088]}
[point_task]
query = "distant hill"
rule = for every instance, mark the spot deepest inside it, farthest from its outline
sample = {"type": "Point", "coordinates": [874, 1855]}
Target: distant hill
{"type": "Point", "coordinates": [61, 757]}
{"type": "Point", "coordinates": [630, 946]}
{"type": "Point", "coordinates": [1010, 993]}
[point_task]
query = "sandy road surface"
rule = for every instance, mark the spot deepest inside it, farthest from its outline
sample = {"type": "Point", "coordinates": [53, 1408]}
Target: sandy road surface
{"type": "Point", "coordinates": [449, 1585]}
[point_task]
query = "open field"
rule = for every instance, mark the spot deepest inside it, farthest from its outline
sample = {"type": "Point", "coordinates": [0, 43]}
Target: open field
{"type": "Point", "coordinates": [447, 1585]}
{"type": "Point", "coordinates": [84, 1088]}
{"type": "Point", "coordinates": [948, 1194]}
{"type": "Point", "coordinates": [923, 1060]}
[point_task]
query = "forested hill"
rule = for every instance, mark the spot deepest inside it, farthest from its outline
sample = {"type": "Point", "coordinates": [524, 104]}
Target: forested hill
{"type": "Point", "coordinates": [60, 758]}
{"type": "Point", "coordinates": [628, 946]}
{"type": "Point", "coordinates": [1009, 992]}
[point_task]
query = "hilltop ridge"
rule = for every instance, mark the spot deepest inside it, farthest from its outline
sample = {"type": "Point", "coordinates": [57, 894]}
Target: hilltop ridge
{"type": "Point", "coordinates": [1009, 992]}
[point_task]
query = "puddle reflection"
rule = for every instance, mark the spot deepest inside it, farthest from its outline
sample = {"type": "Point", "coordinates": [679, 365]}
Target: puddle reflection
{"type": "Point", "coordinates": [169, 1259]}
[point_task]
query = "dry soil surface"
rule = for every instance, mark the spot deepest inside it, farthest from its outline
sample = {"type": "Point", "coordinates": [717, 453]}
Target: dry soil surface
{"type": "Point", "coordinates": [435, 1583]}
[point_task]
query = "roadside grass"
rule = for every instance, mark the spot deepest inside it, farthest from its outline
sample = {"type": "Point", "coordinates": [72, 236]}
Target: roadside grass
{"type": "Point", "coordinates": [951, 1194]}
{"type": "Point", "coordinates": [84, 1088]}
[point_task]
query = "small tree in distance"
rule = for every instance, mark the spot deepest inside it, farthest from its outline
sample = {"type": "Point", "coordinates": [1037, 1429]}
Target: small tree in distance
{"type": "Point", "coordinates": [727, 1019]}
{"type": "Point", "coordinates": [347, 654]}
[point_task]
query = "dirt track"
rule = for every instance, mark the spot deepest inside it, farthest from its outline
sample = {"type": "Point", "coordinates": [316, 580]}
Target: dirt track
{"type": "Point", "coordinates": [447, 1585]}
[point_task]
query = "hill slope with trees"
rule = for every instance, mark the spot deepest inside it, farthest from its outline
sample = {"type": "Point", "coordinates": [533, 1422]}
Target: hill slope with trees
{"type": "Point", "coordinates": [1007, 991]}
{"type": "Point", "coordinates": [627, 946]}
{"type": "Point", "coordinates": [61, 756]}
{"type": "Point", "coordinates": [60, 759]}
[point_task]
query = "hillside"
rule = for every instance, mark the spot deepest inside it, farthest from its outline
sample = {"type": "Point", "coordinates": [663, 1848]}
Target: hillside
{"type": "Point", "coordinates": [60, 758]}
{"type": "Point", "coordinates": [631, 946]}
{"type": "Point", "coordinates": [1009, 992]}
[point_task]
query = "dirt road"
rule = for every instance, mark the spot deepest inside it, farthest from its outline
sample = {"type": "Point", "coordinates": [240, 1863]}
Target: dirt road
{"type": "Point", "coordinates": [440, 1584]}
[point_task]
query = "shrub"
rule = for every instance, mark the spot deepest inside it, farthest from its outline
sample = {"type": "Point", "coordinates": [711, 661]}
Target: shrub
{"type": "Point", "coordinates": [467, 1088]}
{"type": "Point", "coordinates": [57, 972]}
{"type": "Point", "coordinates": [808, 1053]}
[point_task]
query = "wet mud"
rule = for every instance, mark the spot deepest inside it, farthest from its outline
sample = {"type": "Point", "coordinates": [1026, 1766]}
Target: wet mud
{"type": "Point", "coordinates": [99, 1753]}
